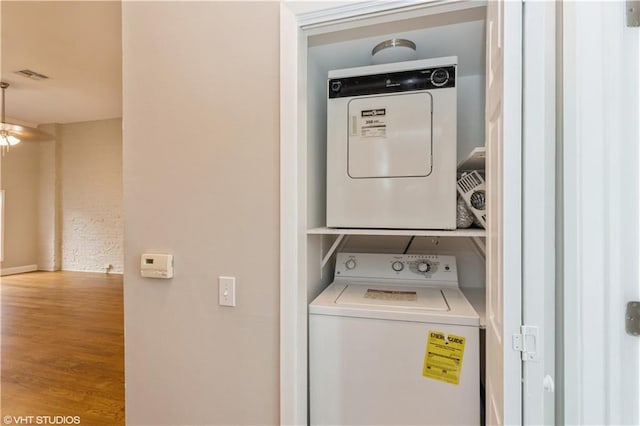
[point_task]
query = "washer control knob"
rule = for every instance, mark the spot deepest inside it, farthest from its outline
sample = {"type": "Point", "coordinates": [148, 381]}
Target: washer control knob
{"type": "Point", "coordinates": [350, 264]}
{"type": "Point", "coordinates": [397, 266]}
{"type": "Point", "coordinates": [424, 266]}
{"type": "Point", "coordinates": [336, 86]}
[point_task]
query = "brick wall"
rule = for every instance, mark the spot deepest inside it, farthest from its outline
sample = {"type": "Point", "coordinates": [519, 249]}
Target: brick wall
{"type": "Point", "coordinates": [91, 196]}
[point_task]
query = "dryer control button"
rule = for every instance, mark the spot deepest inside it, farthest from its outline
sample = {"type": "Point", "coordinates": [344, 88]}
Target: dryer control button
{"type": "Point", "coordinates": [440, 77]}
{"type": "Point", "coordinates": [350, 264]}
{"type": "Point", "coordinates": [397, 266]}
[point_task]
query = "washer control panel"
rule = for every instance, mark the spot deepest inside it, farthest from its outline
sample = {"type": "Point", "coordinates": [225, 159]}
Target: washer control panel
{"type": "Point", "coordinates": [404, 267]}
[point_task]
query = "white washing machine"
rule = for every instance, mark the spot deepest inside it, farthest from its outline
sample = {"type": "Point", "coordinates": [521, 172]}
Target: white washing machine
{"type": "Point", "coordinates": [393, 341]}
{"type": "Point", "coordinates": [391, 145]}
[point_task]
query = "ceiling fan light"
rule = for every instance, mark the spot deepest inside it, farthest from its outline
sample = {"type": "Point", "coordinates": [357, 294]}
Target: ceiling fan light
{"type": "Point", "coordinates": [12, 140]}
{"type": "Point", "coordinates": [18, 132]}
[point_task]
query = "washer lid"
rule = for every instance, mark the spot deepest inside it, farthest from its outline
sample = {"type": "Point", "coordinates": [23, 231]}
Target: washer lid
{"type": "Point", "coordinates": [442, 305]}
{"type": "Point", "coordinates": [422, 298]}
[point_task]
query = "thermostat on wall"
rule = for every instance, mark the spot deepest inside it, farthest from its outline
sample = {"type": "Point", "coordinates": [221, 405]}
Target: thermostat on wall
{"type": "Point", "coordinates": [156, 266]}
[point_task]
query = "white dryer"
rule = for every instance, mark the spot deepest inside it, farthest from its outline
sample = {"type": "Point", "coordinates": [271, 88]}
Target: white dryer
{"type": "Point", "coordinates": [393, 341]}
{"type": "Point", "coordinates": [391, 145]}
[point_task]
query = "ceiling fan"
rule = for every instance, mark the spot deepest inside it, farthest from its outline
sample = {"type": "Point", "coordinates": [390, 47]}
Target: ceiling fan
{"type": "Point", "coordinates": [12, 134]}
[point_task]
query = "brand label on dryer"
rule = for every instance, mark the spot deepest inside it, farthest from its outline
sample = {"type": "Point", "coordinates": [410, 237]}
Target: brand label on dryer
{"type": "Point", "coordinates": [373, 123]}
{"type": "Point", "coordinates": [443, 357]}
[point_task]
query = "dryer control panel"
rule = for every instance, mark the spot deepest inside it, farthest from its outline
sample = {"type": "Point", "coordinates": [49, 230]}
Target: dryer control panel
{"type": "Point", "coordinates": [393, 82]}
{"type": "Point", "coordinates": [431, 268]}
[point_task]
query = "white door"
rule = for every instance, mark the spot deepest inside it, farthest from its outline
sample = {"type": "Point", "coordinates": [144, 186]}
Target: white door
{"type": "Point", "coordinates": [601, 213]}
{"type": "Point", "coordinates": [504, 178]}
{"type": "Point", "coordinates": [539, 212]}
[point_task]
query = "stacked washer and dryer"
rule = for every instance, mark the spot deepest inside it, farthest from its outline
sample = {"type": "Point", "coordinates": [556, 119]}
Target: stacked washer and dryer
{"type": "Point", "coordinates": [393, 340]}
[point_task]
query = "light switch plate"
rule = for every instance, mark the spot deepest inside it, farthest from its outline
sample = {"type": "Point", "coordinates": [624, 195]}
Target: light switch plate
{"type": "Point", "coordinates": [227, 291]}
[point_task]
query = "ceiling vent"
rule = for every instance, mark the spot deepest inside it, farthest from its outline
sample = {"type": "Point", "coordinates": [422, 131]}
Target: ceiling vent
{"type": "Point", "coordinates": [32, 74]}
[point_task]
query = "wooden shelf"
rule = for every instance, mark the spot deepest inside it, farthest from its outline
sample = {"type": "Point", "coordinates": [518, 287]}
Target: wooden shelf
{"type": "Point", "coordinates": [469, 232]}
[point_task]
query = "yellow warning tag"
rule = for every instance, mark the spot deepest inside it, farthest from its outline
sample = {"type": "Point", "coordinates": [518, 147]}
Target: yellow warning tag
{"type": "Point", "coordinates": [443, 357]}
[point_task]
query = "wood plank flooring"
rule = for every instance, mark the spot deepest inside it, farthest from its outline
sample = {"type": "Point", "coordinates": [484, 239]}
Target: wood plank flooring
{"type": "Point", "coordinates": [63, 346]}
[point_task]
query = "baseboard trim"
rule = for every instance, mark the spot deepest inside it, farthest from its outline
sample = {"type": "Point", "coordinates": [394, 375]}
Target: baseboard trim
{"type": "Point", "coordinates": [18, 270]}
{"type": "Point", "coordinates": [91, 271]}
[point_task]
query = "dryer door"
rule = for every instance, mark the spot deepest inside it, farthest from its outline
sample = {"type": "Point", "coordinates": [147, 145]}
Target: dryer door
{"type": "Point", "coordinates": [390, 136]}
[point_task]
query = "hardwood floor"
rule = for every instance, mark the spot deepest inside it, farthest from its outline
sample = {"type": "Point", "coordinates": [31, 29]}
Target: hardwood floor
{"type": "Point", "coordinates": [63, 346]}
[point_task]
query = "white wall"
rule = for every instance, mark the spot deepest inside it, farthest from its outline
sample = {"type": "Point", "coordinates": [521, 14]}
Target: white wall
{"type": "Point", "coordinates": [470, 114]}
{"type": "Point", "coordinates": [201, 149]}
{"type": "Point", "coordinates": [20, 182]}
{"type": "Point", "coordinates": [49, 206]}
{"type": "Point", "coordinates": [91, 182]}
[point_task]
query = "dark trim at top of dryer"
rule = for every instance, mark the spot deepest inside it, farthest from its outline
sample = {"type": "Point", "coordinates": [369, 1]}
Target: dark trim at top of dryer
{"type": "Point", "coordinates": [403, 81]}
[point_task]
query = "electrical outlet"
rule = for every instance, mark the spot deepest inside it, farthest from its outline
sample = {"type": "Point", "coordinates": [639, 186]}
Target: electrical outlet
{"type": "Point", "coordinates": [227, 291]}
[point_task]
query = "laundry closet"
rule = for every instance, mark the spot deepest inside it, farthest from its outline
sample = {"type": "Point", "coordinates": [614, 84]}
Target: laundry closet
{"type": "Point", "coordinates": [314, 253]}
